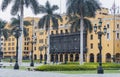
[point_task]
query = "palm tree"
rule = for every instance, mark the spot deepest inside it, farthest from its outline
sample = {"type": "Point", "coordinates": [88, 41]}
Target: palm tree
{"type": "Point", "coordinates": [3, 32]}
{"type": "Point", "coordinates": [82, 8]}
{"type": "Point", "coordinates": [47, 19]}
{"type": "Point", "coordinates": [18, 5]}
{"type": "Point", "coordinates": [15, 23]}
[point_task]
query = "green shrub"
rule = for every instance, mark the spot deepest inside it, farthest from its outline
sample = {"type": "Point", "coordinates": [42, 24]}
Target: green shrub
{"type": "Point", "coordinates": [77, 67]}
{"type": "Point", "coordinates": [64, 68]}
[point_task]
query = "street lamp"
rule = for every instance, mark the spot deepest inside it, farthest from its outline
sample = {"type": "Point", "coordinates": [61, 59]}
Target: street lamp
{"type": "Point", "coordinates": [45, 55]}
{"type": "Point", "coordinates": [41, 48]}
{"type": "Point", "coordinates": [32, 42]}
{"type": "Point", "coordinates": [17, 33]}
{"type": "Point", "coordinates": [100, 33]}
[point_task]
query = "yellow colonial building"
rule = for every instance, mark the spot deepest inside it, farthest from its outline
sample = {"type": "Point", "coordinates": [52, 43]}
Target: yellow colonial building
{"type": "Point", "coordinates": [64, 44]}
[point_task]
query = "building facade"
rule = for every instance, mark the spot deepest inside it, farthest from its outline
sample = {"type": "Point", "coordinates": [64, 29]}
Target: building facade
{"type": "Point", "coordinates": [64, 44]}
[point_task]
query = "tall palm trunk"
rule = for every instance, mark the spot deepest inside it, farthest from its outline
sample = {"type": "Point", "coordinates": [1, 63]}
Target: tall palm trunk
{"type": "Point", "coordinates": [48, 49]}
{"type": "Point", "coordinates": [0, 41]}
{"type": "Point", "coordinates": [21, 36]}
{"type": "Point", "coordinates": [81, 40]}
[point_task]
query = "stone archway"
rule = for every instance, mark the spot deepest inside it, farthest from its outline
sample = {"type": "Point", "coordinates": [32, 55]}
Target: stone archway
{"type": "Point", "coordinates": [118, 57]}
{"type": "Point", "coordinates": [76, 57]}
{"type": "Point", "coordinates": [108, 57]}
{"type": "Point", "coordinates": [41, 57]}
{"type": "Point", "coordinates": [52, 58]}
{"type": "Point", "coordinates": [61, 57]}
{"type": "Point", "coordinates": [91, 57]}
{"type": "Point", "coordinates": [35, 57]}
{"type": "Point", "coordinates": [66, 57]}
{"type": "Point", "coordinates": [56, 58]}
{"type": "Point", "coordinates": [71, 57]}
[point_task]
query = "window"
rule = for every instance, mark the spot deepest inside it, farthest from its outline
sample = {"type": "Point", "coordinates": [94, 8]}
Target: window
{"type": "Point", "coordinates": [108, 26]}
{"type": "Point", "coordinates": [108, 35]}
{"type": "Point", "coordinates": [1, 43]}
{"type": "Point", "coordinates": [41, 33]}
{"type": "Point", "coordinates": [4, 48]}
{"type": "Point", "coordinates": [61, 24]}
{"type": "Point", "coordinates": [27, 48]}
{"type": "Point", "coordinates": [9, 39]}
{"type": "Point", "coordinates": [41, 41]}
{"type": "Point", "coordinates": [12, 39]}
{"type": "Point", "coordinates": [91, 37]}
{"type": "Point", "coordinates": [117, 25]}
{"type": "Point", "coordinates": [1, 39]}
{"type": "Point", "coordinates": [66, 31]}
{"type": "Point", "coordinates": [12, 43]}
{"type": "Point", "coordinates": [9, 48]}
{"type": "Point", "coordinates": [34, 48]}
{"type": "Point", "coordinates": [91, 46]}
{"type": "Point", "coordinates": [9, 44]}
{"type": "Point", "coordinates": [118, 36]}
{"type": "Point", "coordinates": [12, 48]}
{"type": "Point", "coordinates": [61, 31]}
{"type": "Point", "coordinates": [52, 32]}
{"type": "Point", "coordinates": [24, 48]}
{"type": "Point", "coordinates": [56, 32]}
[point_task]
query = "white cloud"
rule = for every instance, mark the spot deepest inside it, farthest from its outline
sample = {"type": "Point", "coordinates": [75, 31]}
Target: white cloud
{"type": "Point", "coordinates": [6, 14]}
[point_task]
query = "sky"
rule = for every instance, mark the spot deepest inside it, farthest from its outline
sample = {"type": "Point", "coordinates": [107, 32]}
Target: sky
{"type": "Point", "coordinates": [28, 13]}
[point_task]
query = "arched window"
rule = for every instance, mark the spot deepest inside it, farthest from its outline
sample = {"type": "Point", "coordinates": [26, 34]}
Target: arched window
{"type": "Point", "coordinates": [108, 57]}
{"type": "Point", "coordinates": [71, 57]}
{"type": "Point", "coordinates": [76, 57]}
{"type": "Point", "coordinates": [61, 58]}
{"type": "Point", "coordinates": [91, 57]}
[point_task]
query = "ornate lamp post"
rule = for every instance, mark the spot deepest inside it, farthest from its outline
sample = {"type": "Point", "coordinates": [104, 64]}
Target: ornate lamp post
{"type": "Point", "coordinates": [17, 34]}
{"type": "Point", "coordinates": [45, 56]}
{"type": "Point", "coordinates": [100, 33]}
{"type": "Point", "coordinates": [40, 48]}
{"type": "Point", "coordinates": [32, 42]}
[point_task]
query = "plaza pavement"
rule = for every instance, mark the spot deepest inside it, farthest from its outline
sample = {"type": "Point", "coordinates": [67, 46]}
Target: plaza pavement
{"type": "Point", "coordinates": [25, 73]}
{"type": "Point", "coordinates": [21, 73]}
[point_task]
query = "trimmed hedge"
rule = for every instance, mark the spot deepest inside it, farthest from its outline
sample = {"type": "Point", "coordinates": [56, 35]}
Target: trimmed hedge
{"type": "Point", "coordinates": [68, 67]}
{"type": "Point", "coordinates": [64, 68]}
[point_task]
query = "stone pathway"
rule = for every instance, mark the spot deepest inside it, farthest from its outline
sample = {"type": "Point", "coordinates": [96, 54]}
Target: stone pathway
{"type": "Point", "coordinates": [21, 73]}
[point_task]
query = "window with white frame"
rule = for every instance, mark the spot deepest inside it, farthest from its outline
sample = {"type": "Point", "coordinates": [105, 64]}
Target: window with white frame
{"type": "Point", "coordinates": [118, 35]}
{"type": "Point", "coordinates": [117, 26]}
{"type": "Point", "coordinates": [108, 35]}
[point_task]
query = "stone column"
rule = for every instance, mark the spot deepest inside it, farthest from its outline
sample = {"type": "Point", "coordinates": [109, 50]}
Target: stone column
{"type": "Point", "coordinates": [68, 57]}
{"type": "Point", "coordinates": [63, 58]}
{"type": "Point", "coordinates": [73, 57]}
{"type": "Point", "coordinates": [58, 57]}
{"type": "Point", "coordinates": [95, 58]}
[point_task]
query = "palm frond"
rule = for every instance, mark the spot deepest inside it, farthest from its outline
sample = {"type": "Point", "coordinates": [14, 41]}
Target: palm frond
{"type": "Point", "coordinates": [26, 23]}
{"type": "Point", "coordinates": [25, 32]}
{"type": "Point", "coordinates": [75, 23]}
{"type": "Point", "coordinates": [5, 4]}
{"type": "Point", "coordinates": [58, 17]}
{"type": "Point", "coordinates": [88, 25]}
{"type": "Point", "coordinates": [41, 22]}
{"type": "Point", "coordinates": [55, 23]}
{"type": "Point", "coordinates": [35, 6]}
{"type": "Point", "coordinates": [2, 24]}
{"type": "Point", "coordinates": [15, 7]}
{"type": "Point", "coordinates": [27, 3]}
{"type": "Point", "coordinates": [6, 33]}
{"type": "Point", "coordinates": [54, 7]}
